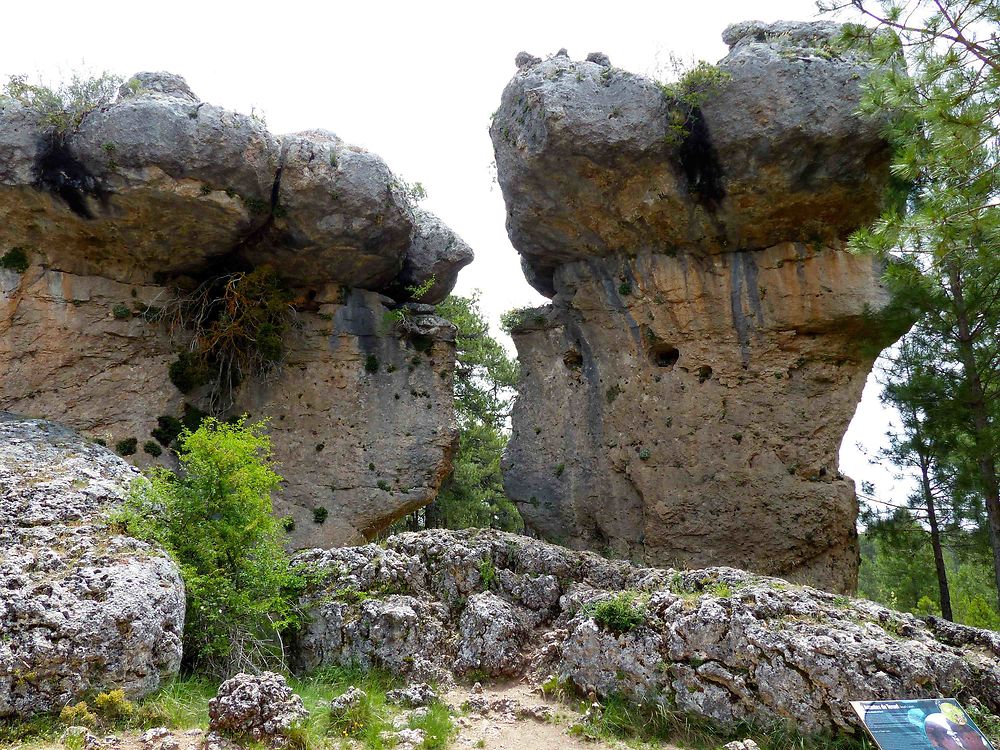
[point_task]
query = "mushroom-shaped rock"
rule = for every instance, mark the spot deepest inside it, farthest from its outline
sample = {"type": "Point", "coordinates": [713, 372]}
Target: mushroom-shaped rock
{"type": "Point", "coordinates": [154, 181]}
{"type": "Point", "coordinates": [83, 609]}
{"type": "Point", "coordinates": [342, 217]}
{"type": "Point", "coordinates": [435, 256]}
{"type": "Point", "coordinates": [595, 161]}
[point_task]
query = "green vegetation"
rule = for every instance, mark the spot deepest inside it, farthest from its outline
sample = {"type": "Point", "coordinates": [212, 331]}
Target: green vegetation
{"type": "Point", "coordinates": [695, 83]}
{"type": "Point", "coordinates": [183, 704]}
{"type": "Point", "coordinates": [655, 722]}
{"type": "Point", "coordinates": [320, 514]}
{"type": "Point", "coordinates": [487, 573]}
{"type": "Point", "coordinates": [371, 363]}
{"type": "Point", "coordinates": [15, 259]}
{"type": "Point", "coordinates": [152, 448]}
{"type": "Point", "coordinates": [485, 377]}
{"type": "Point", "coordinates": [63, 108]}
{"type": "Point", "coordinates": [121, 311]}
{"type": "Point", "coordinates": [126, 446]}
{"type": "Point", "coordinates": [620, 613]}
{"type": "Point", "coordinates": [897, 569]}
{"type": "Point", "coordinates": [940, 78]}
{"type": "Point", "coordinates": [240, 589]}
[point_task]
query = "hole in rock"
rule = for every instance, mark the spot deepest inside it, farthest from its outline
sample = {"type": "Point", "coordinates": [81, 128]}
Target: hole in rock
{"type": "Point", "coordinates": [573, 359]}
{"type": "Point", "coordinates": [704, 373]}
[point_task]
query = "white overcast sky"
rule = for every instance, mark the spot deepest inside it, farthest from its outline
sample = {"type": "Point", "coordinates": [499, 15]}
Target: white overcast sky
{"type": "Point", "coordinates": [415, 82]}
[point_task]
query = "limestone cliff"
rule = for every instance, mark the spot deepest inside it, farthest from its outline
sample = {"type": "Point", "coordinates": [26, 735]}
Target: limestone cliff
{"type": "Point", "coordinates": [684, 397]}
{"type": "Point", "coordinates": [105, 226]}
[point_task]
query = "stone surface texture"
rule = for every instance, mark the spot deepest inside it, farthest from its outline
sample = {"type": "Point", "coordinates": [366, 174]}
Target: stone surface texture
{"type": "Point", "coordinates": [159, 191]}
{"type": "Point", "coordinates": [717, 643]}
{"type": "Point", "coordinates": [260, 707]}
{"type": "Point", "coordinates": [683, 398]}
{"type": "Point", "coordinates": [83, 609]}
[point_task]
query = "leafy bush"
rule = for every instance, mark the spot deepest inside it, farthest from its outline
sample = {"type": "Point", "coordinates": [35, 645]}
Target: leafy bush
{"type": "Point", "coordinates": [15, 260]}
{"type": "Point", "coordinates": [64, 107]}
{"type": "Point", "coordinates": [215, 520]}
{"type": "Point", "coordinates": [127, 446]}
{"type": "Point", "coordinates": [620, 613]}
{"type": "Point", "coordinates": [152, 448]}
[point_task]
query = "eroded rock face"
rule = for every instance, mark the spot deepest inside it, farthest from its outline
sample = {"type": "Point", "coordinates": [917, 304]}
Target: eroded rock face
{"type": "Point", "coordinates": [83, 609]}
{"type": "Point", "coordinates": [595, 161]}
{"type": "Point", "coordinates": [717, 643]}
{"type": "Point", "coordinates": [161, 192]}
{"type": "Point", "coordinates": [684, 397]}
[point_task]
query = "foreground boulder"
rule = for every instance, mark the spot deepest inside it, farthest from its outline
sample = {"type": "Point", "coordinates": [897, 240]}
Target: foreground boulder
{"type": "Point", "coordinates": [718, 643]}
{"type": "Point", "coordinates": [110, 227]}
{"type": "Point", "coordinates": [83, 609]}
{"type": "Point", "coordinates": [709, 336]}
{"type": "Point", "coordinates": [260, 707]}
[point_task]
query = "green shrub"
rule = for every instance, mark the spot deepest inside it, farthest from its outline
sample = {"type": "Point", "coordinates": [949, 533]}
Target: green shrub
{"type": "Point", "coordinates": [15, 260]}
{"type": "Point", "coordinates": [121, 311]}
{"type": "Point", "coordinates": [189, 371]}
{"type": "Point", "coordinates": [620, 613]}
{"type": "Point", "coordinates": [371, 363]}
{"type": "Point", "coordinates": [320, 514]}
{"type": "Point", "coordinates": [78, 714]}
{"type": "Point", "coordinates": [487, 573]}
{"type": "Point", "coordinates": [127, 446]}
{"type": "Point", "coordinates": [216, 520]}
{"type": "Point", "coordinates": [63, 108]}
{"type": "Point", "coordinates": [113, 705]}
{"type": "Point", "coordinates": [152, 448]}
{"type": "Point", "coordinates": [167, 429]}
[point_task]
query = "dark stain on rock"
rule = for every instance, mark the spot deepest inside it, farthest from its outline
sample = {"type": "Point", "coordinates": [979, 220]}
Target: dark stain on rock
{"type": "Point", "coordinates": [59, 172]}
{"type": "Point", "coordinates": [700, 162]}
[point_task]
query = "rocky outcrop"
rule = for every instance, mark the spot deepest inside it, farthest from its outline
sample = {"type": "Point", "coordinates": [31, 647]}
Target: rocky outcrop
{"type": "Point", "coordinates": [83, 609]}
{"type": "Point", "coordinates": [683, 399]}
{"type": "Point", "coordinates": [107, 225]}
{"type": "Point", "coordinates": [717, 643]}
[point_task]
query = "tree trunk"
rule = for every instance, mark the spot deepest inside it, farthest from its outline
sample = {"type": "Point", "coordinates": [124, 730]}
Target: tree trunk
{"type": "Point", "coordinates": [985, 461]}
{"type": "Point", "coordinates": [942, 573]}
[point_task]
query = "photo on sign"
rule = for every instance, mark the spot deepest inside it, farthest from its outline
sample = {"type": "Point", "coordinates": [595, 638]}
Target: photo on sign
{"type": "Point", "coordinates": [939, 724]}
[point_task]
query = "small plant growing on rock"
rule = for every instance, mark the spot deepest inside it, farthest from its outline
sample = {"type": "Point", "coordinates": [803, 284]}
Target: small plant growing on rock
{"type": "Point", "coordinates": [15, 260]}
{"type": "Point", "coordinates": [620, 613]}
{"type": "Point", "coordinates": [152, 448]}
{"type": "Point", "coordinates": [127, 446]}
{"type": "Point", "coordinates": [371, 363]}
{"type": "Point", "coordinates": [236, 324]}
{"type": "Point", "coordinates": [63, 108]}
{"type": "Point", "coordinates": [121, 311]}
{"type": "Point", "coordinates": [288, 524]}
{"type": "Point", "coordinates": [487, 574]}
{"type": "Point", "coordinates": [320, 514]}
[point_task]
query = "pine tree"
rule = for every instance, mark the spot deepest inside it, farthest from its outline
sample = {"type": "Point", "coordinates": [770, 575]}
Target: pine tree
{"type": "Point", "coordinates": [940, 85]}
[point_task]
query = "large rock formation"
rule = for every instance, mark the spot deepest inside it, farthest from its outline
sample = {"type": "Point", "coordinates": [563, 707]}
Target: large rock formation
{"type": "Point", "coordinates": [717, 643]}
{"type": "Point", "coordinates": [684, 397]}
{"type": "Point", "coordinates": [107, 224]}
{"type": "Point", "coordinates": [83, 609]}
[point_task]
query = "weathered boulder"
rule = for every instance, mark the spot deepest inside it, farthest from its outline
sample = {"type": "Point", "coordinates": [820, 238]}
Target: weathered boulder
{"type": "Point", "coordinates": [170, 193]}
{"type": "Point", "coordinates": [433, 260]}
{"type": "Point", "coordinates": [83, 609]}
{"type": "Point", "coordinates": [683, 399]}
{"type": "Point", "coordinates": [595, 161]}
{"type": "Point", "coordinates": [718, 643]}
{"type": "Point", "coordinates": [261, 707]}
{"type": "Point", "coordinates": [342, 218]}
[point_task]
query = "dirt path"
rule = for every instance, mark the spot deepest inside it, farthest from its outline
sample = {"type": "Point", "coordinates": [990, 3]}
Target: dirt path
{"type": "Point", "coordinates": [515, 717]}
